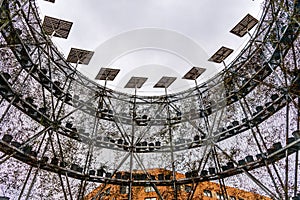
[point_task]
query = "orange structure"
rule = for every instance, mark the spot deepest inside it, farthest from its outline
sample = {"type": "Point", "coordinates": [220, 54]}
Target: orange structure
{"type": "Point", "coordinates": [203, 191]}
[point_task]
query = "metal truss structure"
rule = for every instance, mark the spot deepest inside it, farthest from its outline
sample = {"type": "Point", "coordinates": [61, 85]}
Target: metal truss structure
{"type": "Point", "coordinates": [61, 130]}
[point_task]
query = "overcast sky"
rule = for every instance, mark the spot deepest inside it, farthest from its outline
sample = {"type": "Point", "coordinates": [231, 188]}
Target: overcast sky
{"type": "Point", "coordinates": [205, 23]}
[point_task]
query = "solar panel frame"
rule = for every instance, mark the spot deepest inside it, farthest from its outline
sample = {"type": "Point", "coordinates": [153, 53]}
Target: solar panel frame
{"type": "Point", "coordinates": [194, 73]}
{"type": "Point", "coordinates": [107, 74]}
{"type": "Point", "coordinates": [221, 55]}
{"type": "Point", "coordinates": [136, 82]}
{"type": "Point", "coordinates": [80, 56]}
{"type": "Point", "coordinates": [165, 82]}
{"type": "Point", "coordinates": [56, 27]}
{"type": "Point", "coordinates": [245, 25]}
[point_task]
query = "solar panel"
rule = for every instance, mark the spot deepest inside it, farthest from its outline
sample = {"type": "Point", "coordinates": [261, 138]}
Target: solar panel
{"type": "Point", "coordinates": [221, 55]}
{"type": "Point", "coordinates": [56, 27]}
{"type": "Point", "coordinates": [165, 82]}
{"type": "Point", "coordinates": [136, 82]}
{"type": "Point", "coordinates": [246, 24]}
{"type": "Point", "coordinates": [194, 73]}
{"type": "Point", "coordinates": [80, 56]}
{"type": "Point", "coordinates": [107, 74]}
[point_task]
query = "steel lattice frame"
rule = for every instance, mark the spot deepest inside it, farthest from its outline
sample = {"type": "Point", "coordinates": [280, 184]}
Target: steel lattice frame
{"type": "Point", "coordinates": [57, 124]}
